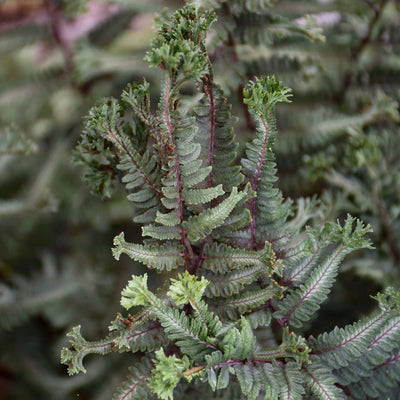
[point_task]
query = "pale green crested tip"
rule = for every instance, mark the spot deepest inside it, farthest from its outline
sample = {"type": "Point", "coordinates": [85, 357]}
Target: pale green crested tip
{"type": "Point", "coordinates": [262, 93]}
{"type": "Point", "coordinates": [187, 288]}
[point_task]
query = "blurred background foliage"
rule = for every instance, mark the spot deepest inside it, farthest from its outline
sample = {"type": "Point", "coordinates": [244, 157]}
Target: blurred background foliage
{"type": "Point", "coordinates": [339, 140]}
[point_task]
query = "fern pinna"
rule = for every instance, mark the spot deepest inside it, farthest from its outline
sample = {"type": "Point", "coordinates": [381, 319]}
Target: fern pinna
{"type": "Point", "coordinates": [242, 273]}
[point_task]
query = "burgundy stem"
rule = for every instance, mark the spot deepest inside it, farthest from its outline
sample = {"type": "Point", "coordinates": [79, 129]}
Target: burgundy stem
{"type": "Point", "coordinates": [185, 243]}
{"type": "Point", "coordinates": [254, 185]}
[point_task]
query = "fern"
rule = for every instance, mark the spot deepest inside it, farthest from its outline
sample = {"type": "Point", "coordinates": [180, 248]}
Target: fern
{"type": "Point", "coordinates": [242, 274]}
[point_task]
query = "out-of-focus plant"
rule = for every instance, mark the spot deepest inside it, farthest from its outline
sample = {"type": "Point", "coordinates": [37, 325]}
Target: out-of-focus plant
{"type": "Point", "coordinates": [57, 59]}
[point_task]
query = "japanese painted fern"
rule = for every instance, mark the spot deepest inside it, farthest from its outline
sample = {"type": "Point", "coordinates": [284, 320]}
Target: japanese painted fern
{"type": "Point", "coordinates": [242, 274]}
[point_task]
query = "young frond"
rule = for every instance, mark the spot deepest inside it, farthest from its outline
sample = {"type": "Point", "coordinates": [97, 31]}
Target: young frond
{"type": "Point", "coordinates": [167, 373]}
{"type": "Point", "coordinates": [292, 346]}
{"type": "Point", "coordinates": [268, 210]}
{"type": "Point", "coordinates": [239, 343]}
{"type": "Point", "coordinates": [191, 335]}
{"type": "Point", "coordinates": [187, 289]}
{"type": "Point", "coordinates": [137, 95]}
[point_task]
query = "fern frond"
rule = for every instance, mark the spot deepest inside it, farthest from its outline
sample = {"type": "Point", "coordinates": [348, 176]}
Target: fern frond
{"type": "Point", "coordinates": [105, 131]}
{"type": "Point", "coordinates": [180, 182]}
{"type": "Point", "coordinates": [292, 346]}
{"type": "Point", "coordinates": [239, 343]}
{"type": "Point", "coordinates": [201, 225]}
{"type": "Point", "coordinates": [249, 379]}
{"type": "Point", "coordinates": [166, 257]}
{"type": "Point", "coordinates": [283, 380]}
{"type": "Point", "coordinates": [135, 387]}
{"type": "Point", "coordinates": [250, 299]}
{"type": "Point", "coordinates": [201, 196]}
{"type": "Point", "coordinates": [81, 347]}
{"type": "Point", "coordinates": [137, 95]}
{"type": "Point", "coordinates": [303, 301]}
{"type": "Point", "coordinates": [221, 258]}
{"type": "Point", "coordinates": [380, 381]}
{"type": "Point", "coordinates": [130, 336]}
{"type": "Point", "coordinates": [300, 259]}
{"type": "Point", "coordinates": [300, 304]}
{"type": "Point", "coordinates": [337, 348]}
{"type": "Point", "coordinates": [190, 334]}
{"type": "Point", "coordinates": [384, 341]}
{"type": "Point", "coordinates": [268, 211]}
{"type": "Point", "coordinates": [233, 282]}
{"type": "Point", "coordinates": [140, 169]}
{"type": "Point", "coordinates": [322, 383]}
{"type": "Point", "coordinates": [178, 133]}
{"type": "Point", "coordinates": [215, 134]}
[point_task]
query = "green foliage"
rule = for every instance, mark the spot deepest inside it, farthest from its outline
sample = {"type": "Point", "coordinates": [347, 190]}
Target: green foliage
{"type": "Point", "coordinates": [305, 300]}
{"type": "Point", "coordinates": [242, 277]}
{"type": "Point", "coordinates": [153, 256]}
{"type": "Point", "coordinates": [197, 154]}
{"type": "Point", "coordinates": [167, 374]}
